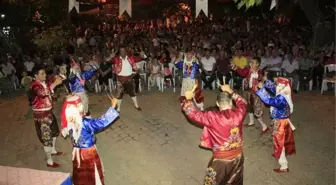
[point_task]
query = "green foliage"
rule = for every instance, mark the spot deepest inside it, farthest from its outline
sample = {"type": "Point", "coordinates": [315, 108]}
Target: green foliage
{"type": "Point", "coordinates": [51, 38]}
{"type": "Point", "coordinates": [247, 3]}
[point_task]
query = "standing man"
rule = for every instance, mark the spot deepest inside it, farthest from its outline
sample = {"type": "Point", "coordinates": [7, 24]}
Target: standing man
{"type": "Point", "coordinates": [45, 121]}
{"type": "Point", "coordinates": [281, 109]}
{"type": "Point", "coordinates": [190, 67]}
{"type": "Point", "coordinates": [77, 80]}
{"type": "Point", "coordinates": [208, 69]}
{"type": "Point", "coordinates": [223, 134]}
{"type": "Point", "coordinates": [253, 75]}
{"type": "Point", "coordinates": [125, 68]}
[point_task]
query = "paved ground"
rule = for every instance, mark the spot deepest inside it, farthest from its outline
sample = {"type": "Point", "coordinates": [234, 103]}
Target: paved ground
{"type": "Point", "coordinates": [159, 147]}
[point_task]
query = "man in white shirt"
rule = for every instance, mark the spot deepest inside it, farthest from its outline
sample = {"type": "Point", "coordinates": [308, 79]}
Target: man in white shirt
{"type": "Point", "coordinates": [273, 64]}
{"type": "Point", "coordinates": [29, 65]}
{"type": "Point", "coordinates": [125, 69]}
{"type": "Point", "coordinates": [208, 69]}
{"type": "Point", "coordinates": [290, 67]}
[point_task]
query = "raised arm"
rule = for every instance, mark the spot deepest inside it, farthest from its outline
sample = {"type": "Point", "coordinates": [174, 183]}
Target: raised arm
{"type": "Point", "coordinates": [51, 83]}
{"type": "Point", "coordinates": [105, 120]}
{"type": "Point", "coordinates": [179, 64]}
{"type": "Point", "coordinates": [278, 101]}
{"type": "Point", "coordinates": [192, 113]}
{"type": "Point", "coordinates": [270, 86]}
{"type": "Point", "coordinates": [241, 106]}
{"type": "Point", "coordinates": [87, 75]}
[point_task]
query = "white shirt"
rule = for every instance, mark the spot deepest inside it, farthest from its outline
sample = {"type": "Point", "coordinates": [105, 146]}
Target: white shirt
{"type": "Point", "coordinates": [272, 61]}
{"type": "Point", "coordinates": [290, 67]}
{"type": "Point", "coordinates": [8, 69]}
{"type": "Point", "coordinates": [252, 77]}
{"type": "Point", "coordinates": [208, 63]}
{"type": "Point", "coordinates": [126, 68]}
{"type": "Point", "coordinates": [263, 62]}
{"type": "Point", "coordinates": [156, 42]}
{"type": "Point", "coordinates": [92, 41]}
{"type": "Point", "coordinates": [29, 65]}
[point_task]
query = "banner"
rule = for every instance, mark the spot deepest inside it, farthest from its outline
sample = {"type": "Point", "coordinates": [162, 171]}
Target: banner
{"type": "Point", "coordinates": [73, 4]}
{"type": "Point", "coordinates": [201, 5]}
{"type": "Point", "coordinates": [274, 4]}
{"type": "Point", "coordinates": [125, 5]}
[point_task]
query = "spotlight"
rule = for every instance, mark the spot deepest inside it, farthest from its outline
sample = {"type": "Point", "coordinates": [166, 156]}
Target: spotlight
{"type": "Point", "coordinates": [2, 16]}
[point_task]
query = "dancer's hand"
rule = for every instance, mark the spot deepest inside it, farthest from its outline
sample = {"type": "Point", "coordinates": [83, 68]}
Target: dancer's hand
{"type": "Point", "coordinates": [226, 88]}
{"type": "Point", "coordinates": [260, 85]}
{"type": "Point", "coordinates": [58, 80]}
{"type": "Point", "coordinates": [233, 67]}
{"type": "Point", "coordinates": [189, 95]}
{"type": "Point", "coordinates": [114, 102]}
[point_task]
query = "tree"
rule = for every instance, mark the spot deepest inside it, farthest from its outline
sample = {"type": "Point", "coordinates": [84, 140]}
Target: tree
{"type": "Point", "coordinates": [51, 38]}
{"type": "Point", "coordinates": [247, 3]}
{"type": "Point", "coordinates": [322, 28]}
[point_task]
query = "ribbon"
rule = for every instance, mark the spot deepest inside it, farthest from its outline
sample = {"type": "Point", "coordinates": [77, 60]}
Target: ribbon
{"type": "Point", "coordinates": [73, 4]}
{"type": "Point", "coordinates": [125, 5]}
{"type": "Point", "coordinates": [201, 5]}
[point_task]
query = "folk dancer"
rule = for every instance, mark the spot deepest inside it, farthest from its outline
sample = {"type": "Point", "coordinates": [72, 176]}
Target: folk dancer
{"type": "Point", "coordinates": [190, 69]}
{"type": "Point", "coordinates": [280, 111]}
{"type": "Point", "coordinates": [87, 166]}
{"type": "Point", "coordinates": [46, 125]}
{"type": "Point", "coordinates": [222, 134]}
{"type": "Point", "coordinates": [253, 76]}
{"type": "Point", "coordinates": [125, 69]}
{"type": "Point", "coordinates": [77, 80]}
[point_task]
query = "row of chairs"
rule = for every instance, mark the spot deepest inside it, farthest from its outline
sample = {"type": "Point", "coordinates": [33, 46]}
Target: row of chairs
{"type": "Point", "coordinates": [143, 76]}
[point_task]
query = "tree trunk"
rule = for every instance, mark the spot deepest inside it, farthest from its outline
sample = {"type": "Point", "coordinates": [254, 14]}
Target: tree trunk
{"type": "Point", "coordinates": [321, 33]}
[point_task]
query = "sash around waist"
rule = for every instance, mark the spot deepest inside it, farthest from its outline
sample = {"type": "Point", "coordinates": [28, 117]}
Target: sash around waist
{"type": "Point", "coordinates": [124, 78]}
{"type": "Point", "coordinates": [227, 155]}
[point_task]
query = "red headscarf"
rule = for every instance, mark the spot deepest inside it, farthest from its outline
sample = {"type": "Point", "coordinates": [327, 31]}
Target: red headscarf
{"type": "Point", "coordinates": [70, 101]}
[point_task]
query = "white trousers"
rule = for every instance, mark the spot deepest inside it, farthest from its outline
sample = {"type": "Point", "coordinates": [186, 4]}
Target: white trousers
{"type": "Point", "coordinates": [283, 160]}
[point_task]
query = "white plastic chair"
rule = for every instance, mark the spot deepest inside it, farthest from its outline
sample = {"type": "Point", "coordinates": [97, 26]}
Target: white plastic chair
{"type": "Point", "coordinates": [111, 84]}
{"type": "Point", "coordinates": [326, 80]}
{"type": "Point", "coordinates": [97, 86]}
{"type": "Point", "coordinates": [243, 83]}
{"type": "Point", "coordinates": [171, 83]}
{"type": "Point", "coordinates": [297, 85]}
{"type": "Point", "coordinates": [142, 65]}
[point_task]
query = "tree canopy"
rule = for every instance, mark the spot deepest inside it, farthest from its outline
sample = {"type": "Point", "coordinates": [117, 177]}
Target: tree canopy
{"type": "Point", "coordinates": [247, 3]}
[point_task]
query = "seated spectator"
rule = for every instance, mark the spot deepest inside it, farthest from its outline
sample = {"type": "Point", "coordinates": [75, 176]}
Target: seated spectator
{"type": "Point", "coordinates": [274, 63]}
{"type": "Point", "coordinates": [155, 73]}
{"type": "Point", "coordinates": [208, 69]}
{"type": "Point", "coordinates": [167, 73]}
{"type": "Point", "coordinates": [6, 87]}
{"type": "Point", "coordinates": [290, 68]}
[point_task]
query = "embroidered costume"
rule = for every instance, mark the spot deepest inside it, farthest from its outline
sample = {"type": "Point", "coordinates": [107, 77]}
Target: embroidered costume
{"type": "Point", "coordinates": [255, 105]}
{"type": "Point", "coordinates": [77, 81]}
{"type": "Point", "coordinates": [222, 134]}
{"type": "Point", "coordinates": [87, 166]}
{"type": "Point", "coordinates": [125, 68]}
{"type": "Point", "coordinates": [45, 121]}
{"type": "Point", "coordinates": [280, 111]}
{"type": "Point", "coordinates": [190, 70]}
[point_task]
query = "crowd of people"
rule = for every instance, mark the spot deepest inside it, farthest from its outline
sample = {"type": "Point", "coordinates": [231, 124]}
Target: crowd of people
{"type": "Point", "coordinates": [265, 60]}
